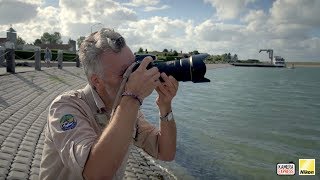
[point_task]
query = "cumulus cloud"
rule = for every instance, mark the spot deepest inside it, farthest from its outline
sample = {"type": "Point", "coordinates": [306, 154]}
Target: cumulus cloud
{"type": "Point", "coordinates": [138, 3]}
{"type": "Point", "coordinates": [210, 31]}
{"type": "Point", "coordinates": [296, 12]}
{"type": "Point", "coordinates": [14, 11]}
{"type": "Point", "coordinates": [156, 33]}
{"type": "Point", "coordinates": [47, 20]}
{"type": "Point", "coordinates": [229, 9]}
{"type": "Point", "coordinates": [77, 20]}
{"type": "Point", "coordinates": [151, 8]}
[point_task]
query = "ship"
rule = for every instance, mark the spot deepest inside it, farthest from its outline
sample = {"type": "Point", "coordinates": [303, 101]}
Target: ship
{"type": "Point", "coordinates": [275, 61]}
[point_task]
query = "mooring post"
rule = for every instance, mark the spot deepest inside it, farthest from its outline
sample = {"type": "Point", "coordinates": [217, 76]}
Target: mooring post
{"type": "Point", "coordinates": [77, 61]}
{"type": "Point", "coordinates": [60, 59]}
{"type": "Point", "coordinates": [37, 59]}
{"type": "Point", "coordinates": [11, 64]}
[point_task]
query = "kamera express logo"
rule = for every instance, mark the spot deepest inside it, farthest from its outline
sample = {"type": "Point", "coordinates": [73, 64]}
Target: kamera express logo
{"type": "Point", "coordinates": [307, 167]}
{"type": "Point", "coordinates": [286, 169]}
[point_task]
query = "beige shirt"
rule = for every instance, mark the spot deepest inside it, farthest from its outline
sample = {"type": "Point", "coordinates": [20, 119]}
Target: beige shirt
{"type": "Point", "coordinates": [75, 121]}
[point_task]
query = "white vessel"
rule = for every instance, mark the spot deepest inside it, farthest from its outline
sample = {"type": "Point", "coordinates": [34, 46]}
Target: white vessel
{"type": "Point", "coordinates": [275, 61]}
{"type": "Point", "coordinates": [278, 61]}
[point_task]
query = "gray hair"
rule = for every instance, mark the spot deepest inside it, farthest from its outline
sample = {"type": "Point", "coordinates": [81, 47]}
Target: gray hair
{"type": "Point", "coordinates": [104, 40]}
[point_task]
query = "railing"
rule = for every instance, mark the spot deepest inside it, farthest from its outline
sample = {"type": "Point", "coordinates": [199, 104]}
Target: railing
{"type": "Point", "coordinates": [9, 56]}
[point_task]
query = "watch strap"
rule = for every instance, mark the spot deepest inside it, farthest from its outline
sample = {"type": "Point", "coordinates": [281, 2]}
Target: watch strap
{"type": "Point", "coordinates": [167, 117]}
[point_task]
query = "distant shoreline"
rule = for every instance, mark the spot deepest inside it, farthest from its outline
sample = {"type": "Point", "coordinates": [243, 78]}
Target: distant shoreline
{"type": "Point", "coordinates": [215, 66]}
{"type": "Point", "coordinates": [289, 64]}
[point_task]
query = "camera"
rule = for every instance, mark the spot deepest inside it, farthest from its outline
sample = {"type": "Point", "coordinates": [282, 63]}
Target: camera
{"type": "Point", "coordinates": [185, 69]}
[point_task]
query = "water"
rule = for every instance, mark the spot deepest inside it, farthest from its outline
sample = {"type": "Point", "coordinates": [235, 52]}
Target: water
{"type": "Point", "coordinates": [244, 122]}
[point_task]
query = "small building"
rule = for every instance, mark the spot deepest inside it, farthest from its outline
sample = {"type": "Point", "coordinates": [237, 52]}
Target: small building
{"type": "Point", "coordinates": [11, 40]}
{"type": "Point", "coordinates": [12, 35]}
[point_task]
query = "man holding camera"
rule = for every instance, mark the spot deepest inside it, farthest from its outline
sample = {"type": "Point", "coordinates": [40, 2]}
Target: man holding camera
{"type": "Point", "coordinates": [82, 141]}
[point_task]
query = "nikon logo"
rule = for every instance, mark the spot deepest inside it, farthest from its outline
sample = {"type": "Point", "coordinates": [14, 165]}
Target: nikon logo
{"type": "Point", "coordinates": [302, 172]}
{"type": "Point", "coordinates": [307, 166]}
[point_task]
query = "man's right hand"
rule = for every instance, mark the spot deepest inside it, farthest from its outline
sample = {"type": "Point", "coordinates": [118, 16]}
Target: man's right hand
{"type": "Point", "coordinates": [143, 81]}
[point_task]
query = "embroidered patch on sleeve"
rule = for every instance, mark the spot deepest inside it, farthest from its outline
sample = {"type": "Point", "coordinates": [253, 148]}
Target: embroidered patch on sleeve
{"type": "Point", "coordinates": [68, 122]}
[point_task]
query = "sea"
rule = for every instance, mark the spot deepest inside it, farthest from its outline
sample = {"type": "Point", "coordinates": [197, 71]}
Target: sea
{"type": "Point", "coordinates": [244, 122]}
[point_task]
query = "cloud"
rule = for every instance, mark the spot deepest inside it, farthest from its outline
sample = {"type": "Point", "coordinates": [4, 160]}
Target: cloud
{"type": "Point", "coordinates": [139, 3]}
{"type": "Point", "coordinates": [229, 9]}
{"type": "Point", "coordinates": [151, 8]}
{"type": "Point", "coordinates": [210, 31]}
{"type": "Point", "coordinates": [156, 33]}
{"type": "Point", "coordinates": [14, 11]}
{"type": "Point", "coordinates": [296, 12]}
{"type": "Point", "coordinates": [78, 21]}
{"type": "Point", "coordinates": [291, 28]}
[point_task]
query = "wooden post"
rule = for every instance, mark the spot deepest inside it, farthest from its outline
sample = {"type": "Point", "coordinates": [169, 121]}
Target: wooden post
{"type": "Point", "coordinates": [11, 64]}
{"type": "Point", "coordinates": [2, 56]}
{"type": "Point", "coordinates": [60, 58]}
{"type": "Point", "coordinates": [77, 61]}
{"type": "Point", "coordinates": [37, 58]}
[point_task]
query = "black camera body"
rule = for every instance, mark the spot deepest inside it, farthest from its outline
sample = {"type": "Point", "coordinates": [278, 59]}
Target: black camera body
{"type": "Point", "coordinates": [185, 69]}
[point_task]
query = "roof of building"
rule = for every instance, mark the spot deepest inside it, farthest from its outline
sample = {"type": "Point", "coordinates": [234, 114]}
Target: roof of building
{"type": "Point", "coordinates": [3, 40]}
{"type": "Point", "coordinates": [11, 30]}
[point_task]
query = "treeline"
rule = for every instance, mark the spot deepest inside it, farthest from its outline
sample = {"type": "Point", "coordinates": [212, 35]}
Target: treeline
{"type": "Point", "coordinates": [167, 55]}
{"type": "Point", "coordinates": [46, 38]}
{"type": "Point", "coordinates": [224, 58]}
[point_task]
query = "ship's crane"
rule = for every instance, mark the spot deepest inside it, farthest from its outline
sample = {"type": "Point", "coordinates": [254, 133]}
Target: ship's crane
{"type": "Point", "coordinates": [270, 51]}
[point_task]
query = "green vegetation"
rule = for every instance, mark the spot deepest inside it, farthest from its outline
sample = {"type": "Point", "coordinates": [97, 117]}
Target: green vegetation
{"type": "Point", "coordinates": [20, 41]}
{"type": "Point", "coordinates": [48, 38]}
{"type": "Point", "coordinates": [224, 58]}
{"type": "Point", "coordinates": [80, 40]}
{"type": "Point", "coordinates": [169, 55]}
{"type": "Point", "coordinates": [20, 54]}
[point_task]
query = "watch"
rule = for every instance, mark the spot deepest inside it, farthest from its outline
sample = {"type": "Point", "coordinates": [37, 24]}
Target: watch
{"type": "Point", "coordinates": [167, 117]}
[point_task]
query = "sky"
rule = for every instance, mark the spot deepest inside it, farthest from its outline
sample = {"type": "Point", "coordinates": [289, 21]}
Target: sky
{"type": "Point", "coordinates": [290, 27]}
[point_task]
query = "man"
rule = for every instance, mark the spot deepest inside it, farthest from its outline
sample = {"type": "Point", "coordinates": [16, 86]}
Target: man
{"type": "Point", "coordinates": [47, 57]}
{"type": "Point", "coordinates": [81, 141]}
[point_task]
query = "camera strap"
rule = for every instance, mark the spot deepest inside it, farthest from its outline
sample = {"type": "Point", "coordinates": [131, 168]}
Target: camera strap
{"type": "Point", "coordinates": [121, 88]}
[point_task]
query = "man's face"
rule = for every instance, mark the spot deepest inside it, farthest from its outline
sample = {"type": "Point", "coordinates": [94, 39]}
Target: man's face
{"type": "Point", "coordinates": [114, 65]}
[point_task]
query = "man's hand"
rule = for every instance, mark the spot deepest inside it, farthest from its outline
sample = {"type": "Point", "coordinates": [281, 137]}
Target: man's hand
{"type": "Point", "coordinates": [167, 90]}
{"type": "Point", "coordinates": [142, 81]}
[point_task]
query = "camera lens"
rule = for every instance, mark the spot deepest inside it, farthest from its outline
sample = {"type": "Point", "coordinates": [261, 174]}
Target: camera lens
{"type": "Point", "coordinates": [186, 69]}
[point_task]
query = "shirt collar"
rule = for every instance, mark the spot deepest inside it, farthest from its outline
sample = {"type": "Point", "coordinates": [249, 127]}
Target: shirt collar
{"type": "Point", "coordinates": [94, 99]}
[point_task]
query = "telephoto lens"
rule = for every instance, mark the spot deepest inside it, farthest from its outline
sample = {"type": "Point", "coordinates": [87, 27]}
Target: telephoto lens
{"type": "Point", "coordinates": [185, 69]}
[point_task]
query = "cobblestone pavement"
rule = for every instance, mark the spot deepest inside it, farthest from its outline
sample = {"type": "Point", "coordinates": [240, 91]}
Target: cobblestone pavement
{"type": "Point", "coordinates": [24, 101]}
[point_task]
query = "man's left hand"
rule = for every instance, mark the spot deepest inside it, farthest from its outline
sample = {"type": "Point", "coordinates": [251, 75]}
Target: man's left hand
{"type": "Point", "coordinates": [166, 92]}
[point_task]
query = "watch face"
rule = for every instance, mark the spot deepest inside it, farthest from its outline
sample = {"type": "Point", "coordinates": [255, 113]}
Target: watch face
{"type": "Point", "coordinates": [170, 116]}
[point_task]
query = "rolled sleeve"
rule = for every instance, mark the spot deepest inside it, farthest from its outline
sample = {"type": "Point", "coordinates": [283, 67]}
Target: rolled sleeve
{"type": "Point", "coordinates": [73, 143]}
{"type": "Point", "coordinates": [147, 136]}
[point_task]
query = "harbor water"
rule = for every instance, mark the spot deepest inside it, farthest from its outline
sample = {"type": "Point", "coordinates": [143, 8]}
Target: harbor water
{"type": "Point", "coordinates": [244, 122]}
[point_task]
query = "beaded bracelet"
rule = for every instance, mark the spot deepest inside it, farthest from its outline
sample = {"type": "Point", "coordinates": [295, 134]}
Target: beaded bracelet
{"type": "Point", "coordinates": [132, 95]}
